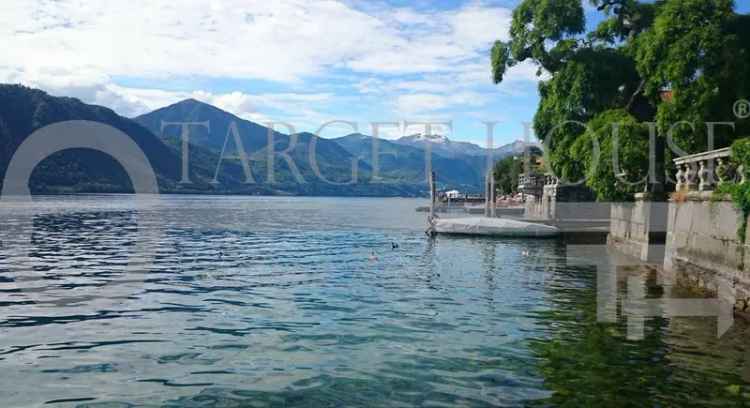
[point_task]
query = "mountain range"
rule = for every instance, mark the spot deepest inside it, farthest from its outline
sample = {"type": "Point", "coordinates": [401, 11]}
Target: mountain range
{"type": "Point", "coordinates": [300, 164]}
{"type": "Point", "coordinates": [445, 147]}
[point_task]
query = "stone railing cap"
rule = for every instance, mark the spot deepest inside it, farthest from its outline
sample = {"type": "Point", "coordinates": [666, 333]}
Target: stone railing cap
{"type": "Point", "coordinates": [712, 154]}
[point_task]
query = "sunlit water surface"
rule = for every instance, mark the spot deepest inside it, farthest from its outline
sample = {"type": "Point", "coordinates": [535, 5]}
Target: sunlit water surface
{"type": "Point", "coordinates": [237, 301]}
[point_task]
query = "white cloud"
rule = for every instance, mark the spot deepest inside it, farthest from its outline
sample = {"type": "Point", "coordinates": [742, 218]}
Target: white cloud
{"type": "Point", "coordinates": [273, 40]}
{"type": "Point", "coordinates": [417, 104]}
{"type": "Point", "coordinates": [416, 64]}
{"type": "Point", "coordinates": [411, 104]}
{"type": "Point", "coordinates": [248, 39]}
{"type": "Point", "coordinates": [434, 42]}
{"type": "Point", "coordinates": [525, 71]}
{"type": "Point", "coordinates": [481, 25]}
{"type": "Point", "coordinates": [131, 102]}
{"type": "Point", "coordinates": [293, 108]}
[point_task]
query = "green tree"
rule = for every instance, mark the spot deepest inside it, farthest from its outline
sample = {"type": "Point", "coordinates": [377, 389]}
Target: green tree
{"type": "Point", "coordinates": [695, 48]}
{"type": "Point", "coordinates": [589, 74]}
{"type": "Point", "coordinates": [507, 170]}
{"type": "Point", "coordinates": [698, 49]}
{"type": "Point", "coordinates": [506, 173]}
{"type": "Point", "coordinates": [622, 146]}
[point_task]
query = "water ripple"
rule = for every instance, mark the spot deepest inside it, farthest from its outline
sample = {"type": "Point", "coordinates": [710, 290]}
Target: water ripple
{"type": "Point", "coordinates": [304, 302]}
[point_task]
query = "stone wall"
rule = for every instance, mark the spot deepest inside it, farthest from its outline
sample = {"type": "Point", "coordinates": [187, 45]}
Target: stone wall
{"type": "Point", "coordinates": [639, 228]}
{"type": "Point", "coordinates": [538, 207]}
{"type": "Point", "coordinates": [581, 210]}
{"type": "Point", "coordinates": [701, 250]}
{"type": "Point", "coordinates": [694, 237]}
{"type": "Point", "coordinates": [556, 202]}
{"type": "Point", "coordinates": [702, 246]}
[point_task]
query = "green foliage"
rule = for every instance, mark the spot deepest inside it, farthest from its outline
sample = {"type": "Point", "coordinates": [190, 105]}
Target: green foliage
{"type": "Point", "coordinates": [535, 24]}
{"type": "Point", "coordinates": [741, 151]}
{"type": "Point", "coordinates": [626, 19]}
{"type": "Point", "coordinates": [500, 57]}
{"type": "Point", "coordinates": [507, 170]}
{"type": "Point", "coordinates": [615, 155]}
{"type": "Point", "coordinates": [698, 49]}
{"type": "Point", "coordinates": [506, 174]}
{"type": "Point", "coordinates": [590, 83]}
{"type": "Point", "coordinates": [587, 77]}
{"type": "Point", "coordinates": [740, 192]}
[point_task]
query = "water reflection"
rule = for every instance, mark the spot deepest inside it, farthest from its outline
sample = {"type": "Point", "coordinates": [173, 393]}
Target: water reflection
{"type": "Point", "coordinates": [679, 362]}
{"type": "Point", "coordinates": [278, 301]}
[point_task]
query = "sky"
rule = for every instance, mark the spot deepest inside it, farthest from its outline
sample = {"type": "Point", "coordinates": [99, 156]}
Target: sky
{"type": "Point", "coordinates": [301, 62]}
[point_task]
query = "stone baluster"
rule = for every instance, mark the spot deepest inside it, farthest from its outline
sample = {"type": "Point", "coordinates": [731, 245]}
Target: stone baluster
{"type": "Point", "coordinates": [721, 171]}
{"type": "Point", "coordinates": [680, 178]}
{"type": "Point", "coordinates": [704, 171]}
{"type": "Point", "coordinates": [706, 175]}
{"type": "Point", "coordinates": [690, 177]}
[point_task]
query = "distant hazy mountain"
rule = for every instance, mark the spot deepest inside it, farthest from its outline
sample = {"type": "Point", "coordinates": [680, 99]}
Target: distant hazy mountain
{"type": "Point", "coordinates": [331, 160]}
{"type": "Point", "coordinates": [254, 136]}
{"type": "Point", "coordinates": [408, 163]}
{"type": "Point", "coordinates": [458, 164]}
{"type": "Point", "coordinates": [24, 110]}
{"type": "Point", "coordinates": [443, 146]}
{"type": "Point", "coordinates": [401, 164]}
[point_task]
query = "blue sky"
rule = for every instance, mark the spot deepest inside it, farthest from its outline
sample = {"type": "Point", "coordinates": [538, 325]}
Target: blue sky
{"type": "Point", "coordinates": [300, 62]}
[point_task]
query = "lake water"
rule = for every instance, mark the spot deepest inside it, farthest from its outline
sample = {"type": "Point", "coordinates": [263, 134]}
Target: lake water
{"type": "Point", "coordinates": [238, 301]}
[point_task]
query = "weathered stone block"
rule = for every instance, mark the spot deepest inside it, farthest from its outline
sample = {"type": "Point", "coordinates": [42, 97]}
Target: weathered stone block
{"type": "Point", "coordinates": [702, 242]}
{"type": "Point", "coordinates": [638, 229]}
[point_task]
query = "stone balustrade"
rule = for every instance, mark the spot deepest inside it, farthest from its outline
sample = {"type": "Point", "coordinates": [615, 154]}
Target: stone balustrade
{"type": "Point", "coordinates": [551, 183]}
{"type": "Point", "coordinates": [530, 183]}
{"type": "Point", "coordinates": [536, 182]}
{"type": "Point", "coordinates": [704, 171]}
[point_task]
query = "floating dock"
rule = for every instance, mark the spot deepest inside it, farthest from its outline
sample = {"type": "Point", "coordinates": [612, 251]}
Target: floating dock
{"type": "Point", "coordinates": [496, 227]}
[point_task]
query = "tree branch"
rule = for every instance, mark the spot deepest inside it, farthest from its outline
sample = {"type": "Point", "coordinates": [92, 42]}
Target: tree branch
{"type": "Point", "coordinates": [609, 3]}
{"type": "Point", "coordinates": [635, 94]}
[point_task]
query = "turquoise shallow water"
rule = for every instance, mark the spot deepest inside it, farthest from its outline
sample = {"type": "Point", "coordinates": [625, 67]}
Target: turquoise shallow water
{"type": "Point", "coordinates": [238, 301]}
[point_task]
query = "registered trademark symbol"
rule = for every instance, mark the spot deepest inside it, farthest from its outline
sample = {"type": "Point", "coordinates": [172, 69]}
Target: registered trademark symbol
{"type": "Point", "coordinates": [742, 109]}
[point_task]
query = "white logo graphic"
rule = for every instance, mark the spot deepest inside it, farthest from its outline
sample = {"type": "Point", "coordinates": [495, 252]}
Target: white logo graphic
{"type": "Point", "coordinates": [742, 109]}
{"type": "Point", "coordinates": [16, 196]}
